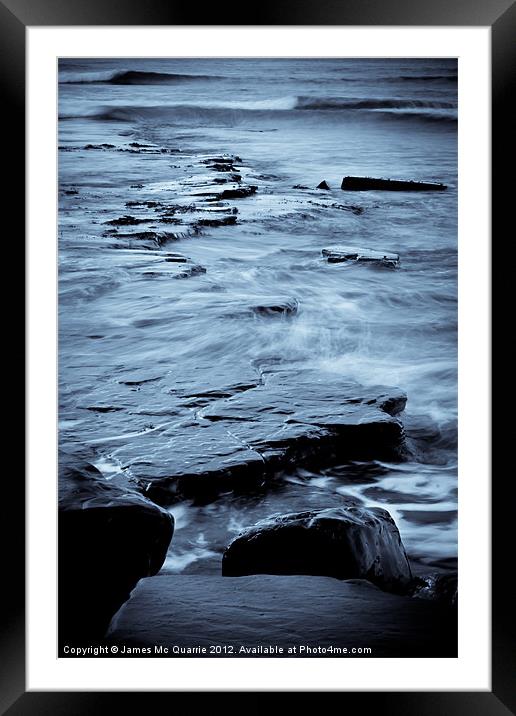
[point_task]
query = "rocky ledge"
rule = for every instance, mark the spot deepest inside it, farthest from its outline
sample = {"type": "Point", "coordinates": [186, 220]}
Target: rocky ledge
{"type": "Point", "coordinates": [341, 254]}
{"type": "Point", "coordinates": [295, 417]}
{"type": "Point", "coordinates": [348, 542]}
{"type": "Point", "coordinates": [310, 616]}
{"type": "Point", "coordinates": [109, 538]}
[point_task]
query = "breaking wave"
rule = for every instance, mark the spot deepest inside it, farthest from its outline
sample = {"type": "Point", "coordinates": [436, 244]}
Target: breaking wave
{"type": "Point", "coordinates": [130, 77]}
{"type": "Point", "coordinates": [230, 109]}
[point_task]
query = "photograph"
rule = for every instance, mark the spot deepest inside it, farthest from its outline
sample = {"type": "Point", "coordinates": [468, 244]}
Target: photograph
{"type": "Point", "coordinates": [257, 357]}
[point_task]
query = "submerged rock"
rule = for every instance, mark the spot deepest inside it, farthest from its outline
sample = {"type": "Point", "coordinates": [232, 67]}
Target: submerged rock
{"type": "Point", "coordinates": [352, 183]}
{"type": "Point", "coordinates": [339, 254]}
{"type": "Point", "coordinates": [110, 536]}
{"type": "Point", "coordinates": [277, 307]}
{"type": "Point", "coordinates": [349, 542]}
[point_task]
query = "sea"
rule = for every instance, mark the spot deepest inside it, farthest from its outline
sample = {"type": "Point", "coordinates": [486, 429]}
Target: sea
{"type": "Point", "coordinates": [136, 130]}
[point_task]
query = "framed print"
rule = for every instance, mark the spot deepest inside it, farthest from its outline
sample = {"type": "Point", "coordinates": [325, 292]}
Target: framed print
{"type": "Point", "coordinates": [258, 263]}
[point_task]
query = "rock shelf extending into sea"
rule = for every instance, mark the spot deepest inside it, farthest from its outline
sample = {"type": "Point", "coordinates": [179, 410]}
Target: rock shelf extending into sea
{"type": "Point", "coordinates": [235, 363]}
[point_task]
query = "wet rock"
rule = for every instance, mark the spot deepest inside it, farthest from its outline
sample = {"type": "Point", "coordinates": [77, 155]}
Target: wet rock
{"type": "Point", "coordinates": [300, 186]}
{"type": "Point", "coordinates": [176, 258]}
{"type": "Point", "coordinates": [195, 270]}
{"type": "Point", "coordinates": [340, 254]}
{"type": "Point", "coordinates": [293, 418]}
{"type": "Point", "coordinates": [110, 536]}
{"type": "Point", "coordinates": [240, 193]}
{"type": "Point", "coordinates": [223, 221]}
{"type": "Point", "coordinates": [126, 221]}
{"type": "Point", "coordinates": [438, 587]}
{"type": "Point", "coordinates": [349, 542]}
{"type": "Point", "coordinates": [351, 183]}
{"type": "Point", "coordinates": [219, 167]}
{"type": "Point", "coordinates": [71, 192]}
{"type": "Point", "coordinates": [323, 185]}
{"type": "Point", "coordinates": [277, 307]}
{"type": "Point", "coordinates": [225, 180]}
{"type": "Point", "coordinates": [104, 408]}
{"type": "Point", "coordinates": [100, 146]}
{"type": "Point", "coordinates": [262, 612]}
{"type": "Point", "coordinates": [148, 204]}
{"type": "Point", "coordinates": [149, 239]}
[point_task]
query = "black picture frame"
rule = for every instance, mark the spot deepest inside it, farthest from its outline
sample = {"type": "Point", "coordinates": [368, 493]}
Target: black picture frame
{"type": "Point", "coordinates": [15, 17]}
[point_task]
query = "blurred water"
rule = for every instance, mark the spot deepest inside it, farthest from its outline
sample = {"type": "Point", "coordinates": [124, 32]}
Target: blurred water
{"type": "Point", "coordinates": [293, 122]}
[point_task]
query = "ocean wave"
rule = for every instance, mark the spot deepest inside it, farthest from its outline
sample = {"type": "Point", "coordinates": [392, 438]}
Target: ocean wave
{"type": "Point", "coordinates": [232, 109]}
{"type": "Point", "coordinates": [426, 78]}
{"type": "Point", "coordinates": [329, 103]}
{"type": "Point", "coordinates": [130, 77]}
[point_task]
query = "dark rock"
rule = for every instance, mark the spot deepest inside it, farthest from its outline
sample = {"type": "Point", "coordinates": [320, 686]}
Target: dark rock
{"type": "Point", "coordinates": [222, 167]}
{"type": "Point", "coordinates": [99, 146]}
{"type": "Point", "coordinates": [148, 204]}
{"type": "Point", "coordinates": [351, 183]}
{"type": "Point", "coordinates": [176, 258]}
{"type": "Point", "coordinates": [339, 254]}
{"type": "Point", "coordinates": [126, 221]}
{"type": "Point", "coordinates": [71, 192]}
{"type": "Point", "coordinates": [349, 542]}
{"type": "Point", "coordinates": [323, 185]}
{"type": "Point", "coordinates": [240, 193]}
{"type": "Point", "coordinates": [277, 307]}
{"type": "Point", "coordinates": [300, 186]}
{"type": "Point", "coordinates": [295, 417]}
{"type": "Point", "coordinates": [439, 587]}
{"type": "Point", "coordinates": [137, 145]}
{"type": "Point", "coordinates": [136, 186]}
{"type": "Point", "coordinates": [110, 536]}
{"type": "Point", "coordinates": [258, 612]}
{"type": "Point", "coordinates": [169, 220]}
{"type": "Point", "coordinates": [154, 238]}
{"type": "Point", "coordinates": [194, 270]}
{"type": "Point", "coordinates": [103, 408]}
{"type": "Point", "coordinates": [221, 160]}
{"type": "Point", "coordinates": [224, 221]}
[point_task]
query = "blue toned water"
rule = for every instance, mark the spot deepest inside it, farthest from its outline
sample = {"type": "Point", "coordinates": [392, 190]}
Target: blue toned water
{"type": "Point", "coordinates": [292, 123]}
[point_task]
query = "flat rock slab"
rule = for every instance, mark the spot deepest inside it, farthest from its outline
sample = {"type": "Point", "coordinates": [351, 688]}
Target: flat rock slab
{"type": "Point", "coordinates": [295, 417]}
{"type": "Point", "coordinates": [345, 542]}
{"type": "Point", "coordinates": [351, 183]}
{"type": "Point", "coordinates": [341, 254]}
{"type": "Point", "coordinates": [279, 612]}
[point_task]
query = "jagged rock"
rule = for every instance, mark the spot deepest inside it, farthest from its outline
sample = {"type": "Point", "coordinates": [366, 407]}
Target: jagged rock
{"type": "Point", "coordinates": [439, 587]}
{"type": "Point", "coordinates": [339, 254]}
{"type": "Point", "coordinates": [352, 183]}
{"type": "Point", "coordinates": [110, 536]}
{"type": "Point", "coordinates": [323, 185]}
{"type": "Point", "coordinates": [348, 542]}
